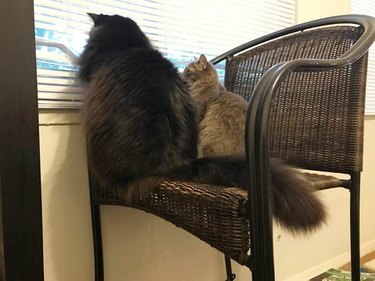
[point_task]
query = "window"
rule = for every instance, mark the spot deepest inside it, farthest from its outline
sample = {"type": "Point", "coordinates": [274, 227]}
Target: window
{"type": "Point", "coordinates": [367, 7]}
{"type": "Point", "coordinates": [181, 30]}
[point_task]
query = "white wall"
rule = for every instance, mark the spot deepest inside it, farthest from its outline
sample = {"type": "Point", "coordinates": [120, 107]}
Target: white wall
{"type": "Point", "coordinates": [139, 246]}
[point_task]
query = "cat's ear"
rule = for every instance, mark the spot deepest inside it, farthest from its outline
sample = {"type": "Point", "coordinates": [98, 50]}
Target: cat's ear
{"type": "Point", "coordinates": [203, 61]}
{"type": "Point", "coordinates": [95, 18]}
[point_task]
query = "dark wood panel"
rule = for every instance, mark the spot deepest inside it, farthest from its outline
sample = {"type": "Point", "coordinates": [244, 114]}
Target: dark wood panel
{"type": "Point", "coordinates": [20, 193]}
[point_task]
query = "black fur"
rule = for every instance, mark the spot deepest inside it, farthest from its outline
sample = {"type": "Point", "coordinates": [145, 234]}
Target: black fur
{"type": "Point", "coordinates": [294, 203]}
{"type": "Point", "coordinates": [141, 122]}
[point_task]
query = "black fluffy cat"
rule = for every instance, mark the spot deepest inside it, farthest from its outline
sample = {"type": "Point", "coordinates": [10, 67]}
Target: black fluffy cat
{"type": "Point", "coordinates": [141, 125]}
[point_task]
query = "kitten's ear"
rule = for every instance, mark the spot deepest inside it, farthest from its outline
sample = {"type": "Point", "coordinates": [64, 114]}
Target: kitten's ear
{"type": "Point", "coordinates": [94, 17]}
{"type": "Point", "coordinates": [203, 61]}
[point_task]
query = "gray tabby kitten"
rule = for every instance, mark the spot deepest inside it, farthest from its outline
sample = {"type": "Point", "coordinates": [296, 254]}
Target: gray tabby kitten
{"type": "Point", "coordinates": [222, 113]}
{"type": "Point", "coordinates": [222, 132]}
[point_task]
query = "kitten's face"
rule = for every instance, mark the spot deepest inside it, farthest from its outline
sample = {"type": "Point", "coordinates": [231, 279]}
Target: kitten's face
{"type": "Point", "coordinates": [115, 31]}
{"type": "Point", "coordinates": [200, 70]}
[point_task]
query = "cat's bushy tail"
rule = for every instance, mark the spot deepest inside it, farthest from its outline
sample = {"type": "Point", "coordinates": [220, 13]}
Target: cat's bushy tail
{"type": "Point", "coordinates": [294, 204]}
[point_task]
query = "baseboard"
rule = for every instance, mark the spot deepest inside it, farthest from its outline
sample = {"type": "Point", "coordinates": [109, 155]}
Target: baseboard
{"type": "Point", "coordinates": [335, 262]}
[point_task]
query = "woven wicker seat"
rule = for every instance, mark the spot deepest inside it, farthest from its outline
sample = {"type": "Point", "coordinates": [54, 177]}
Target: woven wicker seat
{"type": "Point", "coordinates": [306, 92]}
{"type": "Point", "coordinates": [208, 212]}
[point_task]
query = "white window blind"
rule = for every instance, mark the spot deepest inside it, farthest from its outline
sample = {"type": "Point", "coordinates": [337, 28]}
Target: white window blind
{"type": "Point", "coordinates": [367, 7]}
{"type": "Point", "coordinates": [180, 29]}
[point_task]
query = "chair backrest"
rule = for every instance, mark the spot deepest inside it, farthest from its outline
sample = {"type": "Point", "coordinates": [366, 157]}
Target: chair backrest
{"type": "Point", "coordinates": [316, 117]}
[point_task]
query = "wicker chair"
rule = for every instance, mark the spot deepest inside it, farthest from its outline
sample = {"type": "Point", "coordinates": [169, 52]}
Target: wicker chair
{"type": "Point", "coordinates": [306, 87]}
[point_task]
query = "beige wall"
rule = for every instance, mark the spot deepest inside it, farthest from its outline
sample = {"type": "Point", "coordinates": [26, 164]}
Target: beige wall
{"type": "Point", "coordinates": [139, 246]}
{"type": "Point", "coordinates": [65, 199]}
{"type": "Point", "coordinates": [310, 10]}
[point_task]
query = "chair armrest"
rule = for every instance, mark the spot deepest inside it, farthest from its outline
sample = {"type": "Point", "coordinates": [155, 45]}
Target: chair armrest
{"type": "Point", "coordinates": [259, 107]}
{"type": "Point", "coordinates": [257, 124]}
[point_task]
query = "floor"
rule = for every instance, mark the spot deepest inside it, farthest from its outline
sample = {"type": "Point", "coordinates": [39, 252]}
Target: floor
{"type": "Point", "coordinates": [367, 261]}
{"type": "Point", "coordinates": [343, 273]}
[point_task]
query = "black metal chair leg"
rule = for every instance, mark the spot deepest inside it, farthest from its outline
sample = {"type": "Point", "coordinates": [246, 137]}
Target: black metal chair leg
{"type": "Point", "coordinates": [97, 242]}
{"type": "Point", "coordinates": [354, 227]}
{"type": "Point", "coordinates": [230, 275]}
